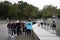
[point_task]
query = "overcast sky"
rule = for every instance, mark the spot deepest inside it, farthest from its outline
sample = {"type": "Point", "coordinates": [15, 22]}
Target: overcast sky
{"type": "Point", "coordinates": [39, 3]}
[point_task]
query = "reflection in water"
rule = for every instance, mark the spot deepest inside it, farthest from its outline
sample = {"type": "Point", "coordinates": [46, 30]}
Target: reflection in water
{"type": "Point", "coordinates": [47, 26]}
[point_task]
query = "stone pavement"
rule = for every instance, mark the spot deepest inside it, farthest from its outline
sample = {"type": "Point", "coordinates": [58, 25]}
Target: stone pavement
{"type": "Point", "coordinates": [21, 37]}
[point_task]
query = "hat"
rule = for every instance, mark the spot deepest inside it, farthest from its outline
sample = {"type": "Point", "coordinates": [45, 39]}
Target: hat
{"type": "Point", "coordinates": [17, 21]}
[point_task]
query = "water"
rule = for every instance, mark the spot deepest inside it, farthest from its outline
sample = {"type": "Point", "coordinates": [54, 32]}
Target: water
{"type": "Point", "coordinates": [47, 25]}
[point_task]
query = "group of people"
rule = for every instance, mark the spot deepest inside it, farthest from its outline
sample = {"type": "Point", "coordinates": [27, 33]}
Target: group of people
{"type": "Point", "coordinates": [18, 27]}
{"type": "Point", "coordinates": [54, 25]}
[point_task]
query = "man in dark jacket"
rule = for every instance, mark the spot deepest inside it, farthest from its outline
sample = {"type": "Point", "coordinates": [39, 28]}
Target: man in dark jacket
{"type": "Point", "coordinates": [13, 27]}
{"type": "Point", "coordinates": [9, 27]}
{"type": "Point", "coordinates": [18, 25]}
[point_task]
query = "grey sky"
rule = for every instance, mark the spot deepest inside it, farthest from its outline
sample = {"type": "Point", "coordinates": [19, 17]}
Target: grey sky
{"type": "Point", "coordinates": [39, 3]}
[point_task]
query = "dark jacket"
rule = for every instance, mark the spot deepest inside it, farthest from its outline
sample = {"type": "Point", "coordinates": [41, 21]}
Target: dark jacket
{"type": "Point", "coordinates": [9, 25]}
{"type": "Point", "coordinates": [18, 25]}
{"type": "Point", "coordinates": [23, 25]}
{"type": "Point", "coordinates": [13, 26]}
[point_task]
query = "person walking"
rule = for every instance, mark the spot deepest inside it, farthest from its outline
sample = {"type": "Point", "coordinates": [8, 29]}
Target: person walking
{"type": "Point", "coordinates": [13, 27]}
{"type": "Point", "coordinates": [28, 25]}
{"type": "Point", "coordinates": [9, 27]}
{"type": "Point", "coordinates": [23, 26]}
{"type": "Point", "coordinates": [18, 25]}
{"type": "Point", "coordinates": [54, 25]}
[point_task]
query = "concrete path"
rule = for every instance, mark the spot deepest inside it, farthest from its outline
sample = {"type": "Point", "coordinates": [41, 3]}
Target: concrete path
{"type": "Point", "coordinates": [21, 37]}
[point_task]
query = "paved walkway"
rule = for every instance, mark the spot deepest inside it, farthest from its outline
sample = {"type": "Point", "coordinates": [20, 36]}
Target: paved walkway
{"type": "Point", "coordinates": [21, 37]}
{"type": "Point", "coordinates": [24, 37]}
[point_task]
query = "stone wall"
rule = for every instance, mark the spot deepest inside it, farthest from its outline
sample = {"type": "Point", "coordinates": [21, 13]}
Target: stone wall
{"type": "Point", "coordinates": [58, 27]}
{"type": "Point", "coordinates": [35, 37]}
